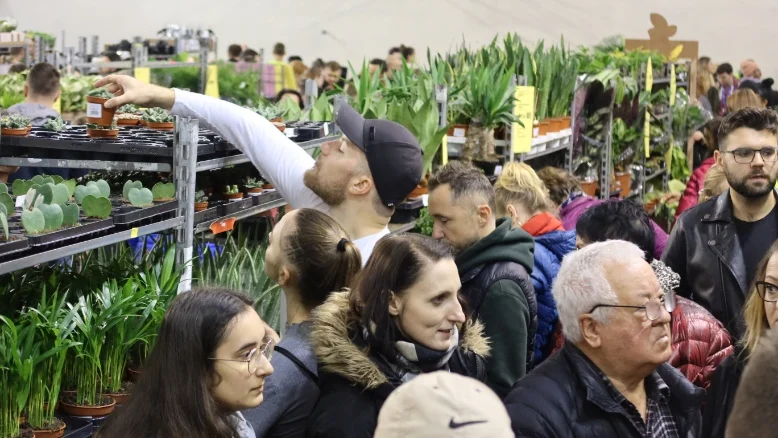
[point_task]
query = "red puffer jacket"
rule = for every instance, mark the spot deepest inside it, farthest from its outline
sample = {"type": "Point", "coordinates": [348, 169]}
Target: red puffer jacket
{"type": "Point", "coordinates": [700, 342]}
{"type": "Point", "coordinates": [692, 193]}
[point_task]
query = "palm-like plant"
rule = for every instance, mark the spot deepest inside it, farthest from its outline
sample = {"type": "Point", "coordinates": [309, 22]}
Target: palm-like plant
{"type": "Point", "coordinates": [16, 365]}
{"type": "Point", "coordinates": [368, 100]}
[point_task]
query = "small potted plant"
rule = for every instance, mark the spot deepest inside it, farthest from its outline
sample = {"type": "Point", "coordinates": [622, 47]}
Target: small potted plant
{"type": "Point", "coordinates": [99, 131]}
{"type": "Point", "coordinates": [15, 125]}
{"type": "Point", "coordinates": [159, 119]}
{"type": "Point", "coordinates": [201, 201]}
{"type": "Point", "coordinates": [96, 112]}
{"type": "Point", "coordinates": [54, 125]}
{"type": "Point", "coordinates": [272, 113]}
{"type": "Point", "coordinates": [253, 186]}
{"type": "Point", "coordinates": [128, 115]}
{"type": "Point", "coordinates": [267, 186]}
{"type": "Point", "coordinates": [232, 193]}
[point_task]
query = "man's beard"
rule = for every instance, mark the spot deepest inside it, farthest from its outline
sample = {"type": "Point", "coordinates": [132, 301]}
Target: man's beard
{"type": "Point", "coordinates": [333, 194]}
{"type": "Point", "coordinates": [742, 187]}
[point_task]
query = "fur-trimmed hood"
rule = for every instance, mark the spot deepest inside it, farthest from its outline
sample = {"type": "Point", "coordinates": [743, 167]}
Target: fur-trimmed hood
{"type": "Point", "coordinates": [337, 354]}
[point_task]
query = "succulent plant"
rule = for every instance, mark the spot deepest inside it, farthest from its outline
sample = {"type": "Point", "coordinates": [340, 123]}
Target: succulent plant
{"type": "Point", "coordinates": [164, 192]}
{"type": "Point", "coordinates": [84, 191]}
{"type": "Point", "coordinates": [32, 198]}
{"type": "Point", "coordinates": [14, 121]}
{"type": "Point", "coordinates": [253, 183]}
{"type": "Point", "coordinates": [268, 111]}
{"type": "Point", "coordinates": [60, 194]}
{"type": "Point", "coordinates": [128, 109]}
{"type": "Point", "coordinates": [54, 125]}
{"type": "Point", "coordinates": [46, 191]}
{"type": "Point", "coordinates": [8, 203]}
{"type": "Point", "coordinates": [21, 186]}
{"type": "Point", "coordinates": [53, 217]}
{"type": "Point", "coordinates": [101, 93]}
{"type": "Point", "coordinates": [102, 185]}
{"type": "Point", "coordinates": [71, 185]}
{"type": "Point", "coordinates": [231, 190]}
{"type": "Point", "coordinates": [3, 188]}
{"type": "Point", "coordinates": [129, 185]}
{"type": "Point", "coordinates": [4, 224]}
{"type": "Point", "coordinates": [157, 115]}
{"type": "Point", "coordinates": [42, 179]}
{"type": "Point", "coordinates": [96, 207]}
{"type": "Point", "coordinates": [140, 197]}
{"type": "Point", "coordinates": [103, 128]}
{"type": "Point", "coordinates": [33, 221]}
{"type": "Point", "coordinates": [200, 196]}
{"type": "Point", "coordinates": [70, 215]}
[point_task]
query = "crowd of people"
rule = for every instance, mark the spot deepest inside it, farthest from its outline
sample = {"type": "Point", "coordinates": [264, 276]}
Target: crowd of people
{"type": "Point", "coordinates": [532, 310]}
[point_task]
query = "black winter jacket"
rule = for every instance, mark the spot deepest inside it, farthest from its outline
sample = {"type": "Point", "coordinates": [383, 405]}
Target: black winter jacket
{"type": "Point", "coordinates": [565, 397]}
{"type": "Point", "coordinates": [721, 394]}
{"type": "Point", "coordinates": [704, 249]}
{"type": "Point", "coordinates": [355, 383]}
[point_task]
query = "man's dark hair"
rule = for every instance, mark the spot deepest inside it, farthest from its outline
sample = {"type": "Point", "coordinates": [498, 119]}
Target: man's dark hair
{"type": "Point", "coordinates": [294, 58]}
{"type": "Point", "coordinates": [250, 55]}
{"type": "Point", "coordinates": [112, 56]}
{"type": "Point", "coordinates": [618, 220]}
{"type": "Point", "coordinates": [394, 50]}
{"type": "Point", "coordinates": [334, 66]}
{"type": "Point", "coordinates": [17, 68]}
{"type": "Point", "coordinates": [234, 51]}
{"type": "Point", "coordinates": [464, 179]}
{"type": "Point", "coordinates": [724, 68]}
{"type": "Point", "coordinates": [379, 62]}
{"type": "Point", "coordinates": [43, 79]}
{"type": "Point", "coordinates": [755, 393]}
{"type": "Point", "coordinates": [407, 52]}
{"type": "Point", "coordinates": [286, 91]}
{"type": "Point", "coordinates": [758, 119]}
{"type": "Point", "coordinates": [279, 49]}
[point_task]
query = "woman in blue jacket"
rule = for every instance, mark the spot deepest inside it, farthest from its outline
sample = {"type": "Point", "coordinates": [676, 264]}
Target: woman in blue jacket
{"type": "Point", "coordinates": [522, 196]}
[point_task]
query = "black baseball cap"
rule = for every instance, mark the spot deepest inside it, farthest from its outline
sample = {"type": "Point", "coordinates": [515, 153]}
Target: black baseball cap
{"type": "Point", "coordinates": [393, 153]}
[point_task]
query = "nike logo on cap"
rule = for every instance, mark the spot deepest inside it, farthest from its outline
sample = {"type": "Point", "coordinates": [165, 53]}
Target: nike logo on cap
{"type": "Point", "coordinates": [454, 425]}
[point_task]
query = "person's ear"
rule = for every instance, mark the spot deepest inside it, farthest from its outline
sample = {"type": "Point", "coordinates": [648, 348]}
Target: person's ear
{"type": "Point", "coordinates": [718, 157]}
{"type": "Point", "coordinates": [284, 276]}
{"type": "Point", "coordinates": [590, 331]}
{"type": "Point", "coordinates": [395, 304]}
{"type": "Point", "coordinates": [360, 185]}
{"type": "Point", "coordinates": [484, 214]}
{"type": "Point", "coordinates": [514, 215]}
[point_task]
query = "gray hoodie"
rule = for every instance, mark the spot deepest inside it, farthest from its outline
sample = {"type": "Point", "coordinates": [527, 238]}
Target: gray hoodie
{"type": "Point", "coordinates": [37, 113]}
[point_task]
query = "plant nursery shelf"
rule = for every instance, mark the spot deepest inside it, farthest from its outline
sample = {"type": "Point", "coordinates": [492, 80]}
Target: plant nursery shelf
{"type": "Point", "coordinates": [218, 163]}
{"type": "Point", "coordinates": [564, 143]}
{"type": "Point", "coordinates": [656, 174]}
{"type": "Point", "coordinates": [76, 248]}
{"type": "Point", "coordinates": [86, 164]}
{"type": "Point", "coordinates": [251, 211]}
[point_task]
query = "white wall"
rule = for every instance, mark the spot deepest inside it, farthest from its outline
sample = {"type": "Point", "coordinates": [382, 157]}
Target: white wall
{"type": "Point", "coordinates": [367, 28]}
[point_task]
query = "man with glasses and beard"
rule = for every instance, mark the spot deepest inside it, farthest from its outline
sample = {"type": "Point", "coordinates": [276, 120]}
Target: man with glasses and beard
{"type": "Point", "coordinates": [716, 246]}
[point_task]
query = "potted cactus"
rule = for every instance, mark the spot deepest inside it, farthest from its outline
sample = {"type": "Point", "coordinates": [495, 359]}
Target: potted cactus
{"type": "Point", "coordinates": [159, 119]}
{"type": "Point", "coordinates": [201, 201]}
{"type": "Point", "coordinates": [232, 193]}
{"type": "Point", "coordinates": [272, 113]}
{"type": "Point", "coordinates": [96, 112]}
{"type": "Point", "coordinates": [128, 115]}
{"type": "Point", "coordinates": [15, 125]}
{"type": "Point", "coordinates": [55, 125]}
{"type": "Point", "coordinates": [253, 186]}
{"type": "Point", "coordinates": [99, 131]}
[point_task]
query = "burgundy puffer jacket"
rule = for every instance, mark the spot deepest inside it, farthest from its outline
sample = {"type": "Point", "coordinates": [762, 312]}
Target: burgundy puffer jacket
{"type": "Point", "coordinates": [700, 342]}
{"type": "Point", "coordinates": [696, 183]}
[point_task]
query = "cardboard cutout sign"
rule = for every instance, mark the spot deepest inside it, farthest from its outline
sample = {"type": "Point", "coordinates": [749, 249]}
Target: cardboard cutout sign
{"type": "Point", "coordinates": [659, 41]}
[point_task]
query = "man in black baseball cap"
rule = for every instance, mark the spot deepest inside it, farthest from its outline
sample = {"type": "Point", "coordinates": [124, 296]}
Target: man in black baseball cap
{"type": "Point", "coordinates": [358, 179]}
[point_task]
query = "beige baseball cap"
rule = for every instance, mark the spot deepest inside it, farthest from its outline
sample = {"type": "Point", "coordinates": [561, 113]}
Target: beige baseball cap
{"type": "Point", "coordinates": [443, 405]}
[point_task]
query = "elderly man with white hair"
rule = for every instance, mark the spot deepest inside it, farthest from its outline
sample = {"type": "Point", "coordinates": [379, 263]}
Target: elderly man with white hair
{"type": "Point", "coordinates": [611, 378]}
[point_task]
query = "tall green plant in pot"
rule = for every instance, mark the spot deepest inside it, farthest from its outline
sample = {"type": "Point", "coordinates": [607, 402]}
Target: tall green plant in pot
{"type": "Point", "coordinates": [54, 324]}
{"type": "Point", "coordinates": [488, 101]}
{"type": "Point", "coordinates": [16, 363]}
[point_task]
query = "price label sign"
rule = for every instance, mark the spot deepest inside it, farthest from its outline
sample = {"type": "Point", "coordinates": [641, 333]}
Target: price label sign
{"type": "Point", "coordinates": [524, 109]}
{"type": "Point", "coordinates": [673, 85]}
{"type": "Point", "coordinates": [212, 81]}
{"type": "Point", "coordinates": [143, 74]}
{"type": "Point", "coordinates": [57, 105]}
{"type": "Point", "coordinates": [647, 126]}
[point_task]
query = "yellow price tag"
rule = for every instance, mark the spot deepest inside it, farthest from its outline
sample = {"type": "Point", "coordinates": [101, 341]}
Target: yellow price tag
{"type": "Point", "coordinates": [673, 85]}
{"type": "Point", "coordinates": [143, 74]}
{"type": "Point", "coordinates": [647, 126]}
{"type": "Point", "coordinates": [444, 149]}
{"type": "Point", "coordinates": [649, 77]}
{"type": "Point", "coordinates": [524, 109]}
{"type": "Point", "coordinates": [669, 156]}
{"type": "Point", "coordinates": [57, 105]}
{"type": "Point", "coordinates": [133, 233]}
{"type": "Point", "coordinates": [212, 81]}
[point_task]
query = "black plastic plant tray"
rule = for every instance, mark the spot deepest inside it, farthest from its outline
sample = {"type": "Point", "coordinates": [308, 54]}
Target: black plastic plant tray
{"type": "Point", "coordinates": [207, 215]}
{"type": "Point", "coordinates": [77, 427]}
{"type": "Point", "coordinates": [16, 244]}
{"type": "Point", "coordinates": [87, 228]}
{"type": "Point", "coordinates": [129, 215]}
{"type": "Point", "coordinates": [236, 206]}
{"type": "Point", "coordinates": [266, 197]}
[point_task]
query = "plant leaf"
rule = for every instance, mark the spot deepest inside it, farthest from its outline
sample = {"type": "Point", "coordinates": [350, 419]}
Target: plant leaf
{"type": "Point", "coordinates": [53, 217]}
{"type": "Point", "coordinates": [140, 197]}
{"type": "Point", "coordinates": [33, 221]}
{"type": "Point", "coordinates": [70, 215]}
{"type": "Point", "coordinates": [97, 207]}
{"type": "Point", "coordinates": [8, 203]}
{"type": "Point", "coordinates": [162, 191]}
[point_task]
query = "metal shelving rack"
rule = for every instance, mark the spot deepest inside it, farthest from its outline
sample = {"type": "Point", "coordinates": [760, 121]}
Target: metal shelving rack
{"type": "Point", "coordinates": [606, 147]}
{"type": "Point", "coordinates": [184, 168]}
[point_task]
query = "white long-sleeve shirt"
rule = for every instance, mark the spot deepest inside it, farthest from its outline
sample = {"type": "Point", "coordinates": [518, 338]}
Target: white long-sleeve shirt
{"type": "Point", "coordinates": [278, 159]}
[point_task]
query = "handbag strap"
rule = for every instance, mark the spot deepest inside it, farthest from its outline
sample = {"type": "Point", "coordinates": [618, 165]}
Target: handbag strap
{"type": "Point", "coordinates": [297, 362]}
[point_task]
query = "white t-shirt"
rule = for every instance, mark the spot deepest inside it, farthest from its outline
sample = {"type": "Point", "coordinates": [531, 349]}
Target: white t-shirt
{"type": "Point", "coordinates": [278, 159]}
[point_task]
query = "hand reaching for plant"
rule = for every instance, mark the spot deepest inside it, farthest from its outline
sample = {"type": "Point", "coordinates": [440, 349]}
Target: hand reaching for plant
{"type": "Point", "coordinates": [127, 89]}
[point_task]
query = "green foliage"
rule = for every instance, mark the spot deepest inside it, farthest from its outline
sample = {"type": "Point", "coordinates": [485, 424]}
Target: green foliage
{"type": "Point", "coordinates": [96, 207]}
{"type": "Point", "coordinates": [253, 183]}
{"type": "Point", "coordinates": [164, 191]}
{"type": "Point", "coordinates": [4, 222]}
{"type": "Point", "coordinates": [15, 374]}
{"type": "Point", "coordinates": [53, 216]}
{"type": "Point", "coordinates": [100, 93]}
{"type": "Point", "coordinates": [83, 191]}
{"type": "Point", "coordinates": [424, 223]}
{"type": "Point", "coordinates": [54, 124]}
{"type": "Point", "coordinates": [129, 185]}
{"type": "Point", "coordinates": [11, 89]}
{"type": "Point", "coordinates": [73, 92]}
{"type": "Point", "coordinates": [94, 126]}
{"type": "Point", "coordinates": [33, 221]}
{"type": "Point", "coordinates": [623, 138]}
{"type": "Point", "coordinates": [322, 109]}
{"type": "Point", "coordinates": [129, 109]}
{"type": "Point", "coordinates": [42, 180]}
{"type": "Point", "coordinates": [32, 198]}
{"type": "Point", "coordinates": [266, 110]}
{"type": "Point", "coordinates": [200, 196]}
{"type": "Point", "coordinates": [291, 111]}
{"type": "Point", "coordinates": [70, 214]}
{"type": "Point", "coordinates": [71, 186]}
{"type": "Point", "coordinates": [240, 88]}
{"type": "Point", "coordinates": [368, 100]}
{"type": "Point", "coordinates": [157, 115]}
{"type": "Point", "coordinates": [679, 167]}
{"type": "Point", "coordinates": [14, 121]}
{"type": "Point", "coordinates": [488, 99]}
{"type": "Point", "coordinates": [8, 203]}
{"type": "Point", "coordinates": [3, 188]}
{"type": "Point", "coordinates": [21, 186]}
{"type": "Point", "coordinates": [60, 194]}
{"type": "Point", "coordinates": [140, 197]}
{"type": "Point", "coordinates": [102, 186]}
{"type": "Point", "coordinates": [231, 190]}
{"type": "Point", "coordinates": [48, 40]}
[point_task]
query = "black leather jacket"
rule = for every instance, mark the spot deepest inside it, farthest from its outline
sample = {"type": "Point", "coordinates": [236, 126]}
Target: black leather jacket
{"type": "Point", "coordinates": [705, 250]}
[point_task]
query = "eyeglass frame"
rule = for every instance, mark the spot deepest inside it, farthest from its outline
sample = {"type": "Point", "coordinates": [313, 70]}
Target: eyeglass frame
{"type": "Point", "coordinates": [761, 294]}
{"type": "Point", "coordinates": [753, 154]}
{"type": "Point", "coordinates": [667, 303]}
{"type": "Point", "coordinates": [265, 350]}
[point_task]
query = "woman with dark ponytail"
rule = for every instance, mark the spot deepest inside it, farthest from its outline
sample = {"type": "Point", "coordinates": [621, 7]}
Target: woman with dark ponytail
{"type": "Point", "coordinates": [309, 256]}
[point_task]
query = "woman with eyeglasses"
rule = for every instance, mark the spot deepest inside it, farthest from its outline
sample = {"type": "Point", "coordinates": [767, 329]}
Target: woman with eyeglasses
{"type": "Point", "coordinates": [310, 256]}
{"type": "Point", "coordinates": [210, 361]}
{"type": "Point", "coordinates": [402, 318]}
{"type": "Point", "coordinates": [760, 314]}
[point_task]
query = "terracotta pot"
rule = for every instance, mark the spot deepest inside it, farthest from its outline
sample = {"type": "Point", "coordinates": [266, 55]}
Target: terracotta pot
{"type": "Point", "coordinates": [545, 125]}
{"type": "Point", "coordinates": [21, 132]}
{"type": "Point", "coordinates": [590, 187]}
{"type": "Point", "coordinates": [624, 180]}
{"type": "Point", "coordinates": [556, 125]}
{"type": "Point", "coordinates": [134, 374]}
{"type": "Point", "coordinates": [120, 399]}
{"type": "Point", "coordinates": [418, 192]}
{"type": "Point", "coordinates": [277, 120]}
{"type": "Point", "coordinates": [51, 433]}
{"type": "Point", "coordinates": [89, 411]}
{"type": "Point", "coordinates": [458, 131]}
{"type": "Point", "coordinates": [268, 186]}
{"type": "Point", "coordinates": [97, 113]}
{"type": "Point", "coordinates": [143, 122]}
{"type": "Point", "coordinates": [255, 191]}
{"type": "Point", "coordinates": [128, 122]}
{"type": "Point", "coordinates": [566, 122]}
{"type": "Point", "coordinates": [281, 127]}
{"type": "Point", "coordinates": [102, 133]}
{"type": "Point", "coordinates": [234, 197]}
{"type": "Point", "coordinates": [200, 206]}
{"type": "Point", "coordinates": [166, 126]}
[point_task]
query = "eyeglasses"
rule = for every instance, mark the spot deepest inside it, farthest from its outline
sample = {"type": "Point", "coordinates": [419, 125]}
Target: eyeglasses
{"type": "Point", "coordinates": [253, 359]}
{"type": "Point", "coordinates": [768, 291]}
{"type": "Point", "coordinates": [653, 308]}
{"type": "Point", "coordinates": [746, 155]}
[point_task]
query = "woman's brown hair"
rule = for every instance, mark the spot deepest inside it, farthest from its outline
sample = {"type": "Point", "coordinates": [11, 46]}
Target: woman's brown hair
{"type": "Point", "coordinates": [323, 258]}
{"type": "Point", "coordinates": [753, 311]}
{"type": "Point", "coordinates": [560, 184]}
{"type": "Point", "coordinates": [743, 98]}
